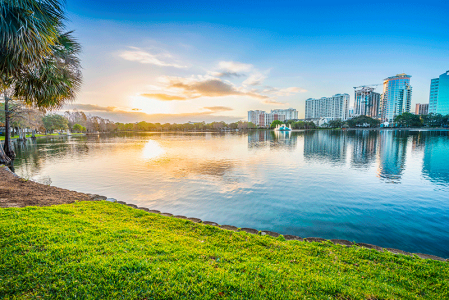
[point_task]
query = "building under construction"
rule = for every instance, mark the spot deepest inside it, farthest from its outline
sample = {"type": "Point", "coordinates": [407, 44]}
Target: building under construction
{"type": "Point", "coordinates": [366, 102]}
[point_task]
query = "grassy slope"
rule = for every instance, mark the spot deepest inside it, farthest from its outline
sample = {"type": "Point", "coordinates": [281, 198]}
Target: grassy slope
{"type": "Point", "coordinates": [102, 250]}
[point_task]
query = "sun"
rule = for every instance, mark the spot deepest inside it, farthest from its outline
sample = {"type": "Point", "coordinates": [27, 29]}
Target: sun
{"type": "Point", "coordinates": [151, 106]}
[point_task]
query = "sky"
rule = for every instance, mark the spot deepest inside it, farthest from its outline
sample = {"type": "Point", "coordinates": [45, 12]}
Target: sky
{"type": "Point", "coordinates": [180, 61]}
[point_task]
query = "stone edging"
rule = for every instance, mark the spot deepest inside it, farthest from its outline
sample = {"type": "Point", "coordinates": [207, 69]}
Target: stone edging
{"type": "Point", "coordinates": [288, 237]}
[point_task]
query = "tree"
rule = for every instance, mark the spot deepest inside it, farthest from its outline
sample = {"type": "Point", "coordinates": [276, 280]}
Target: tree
{"type": "Point", "coordinates": [335, 123]}
{"type": "Point", "coordinates": [408, 120]}
{"type": "Point", "coordinates": [38, 63]}
{"type": "Point", "coordinates": [79, 128]}
{"type": "Point", "coordinates": [435, 120]}
{"type": "Point", "coordinates": [275, 123]}
{"type": "Point", "coordinates": [363, 121]}
{"type": "Point", "coordinates": [55, 122]}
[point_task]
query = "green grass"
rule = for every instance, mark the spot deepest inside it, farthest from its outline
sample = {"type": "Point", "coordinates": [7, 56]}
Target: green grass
{"type": "Point", "coordinates": [102, 250]}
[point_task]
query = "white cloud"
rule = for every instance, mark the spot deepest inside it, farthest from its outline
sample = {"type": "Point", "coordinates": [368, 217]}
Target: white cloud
{"type": "Point", "coordinates": [256, 78]}
{"type": "Point", "coordinates": [234, 66]}
{"type": "Point", "coordinates": [144, 57]}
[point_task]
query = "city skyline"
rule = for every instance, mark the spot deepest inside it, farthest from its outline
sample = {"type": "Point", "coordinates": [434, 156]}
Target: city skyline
{"type": "Point", "coordinates": [202, 61]}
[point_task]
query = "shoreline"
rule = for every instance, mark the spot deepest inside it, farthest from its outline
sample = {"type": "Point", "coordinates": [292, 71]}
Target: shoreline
{"type": "Point", "coordinates": [18, 188]}
{"type": "Point", "coordinates": [38, 136]}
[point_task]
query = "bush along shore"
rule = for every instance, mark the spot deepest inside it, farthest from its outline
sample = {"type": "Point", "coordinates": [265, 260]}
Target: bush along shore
{"type": "Point", "coordinates": [107, 250]}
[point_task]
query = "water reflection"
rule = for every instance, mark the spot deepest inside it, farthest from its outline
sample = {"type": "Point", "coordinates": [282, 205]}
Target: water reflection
{"type": "Point", "coordinates": [152, 150]}
{"type": "Point", "coordinates": [436, 157]}
{"type": "Point", "coordinates": [364, 147]}
{"type": "Point", "coordinates": [392, 153]}
{"type": "Point", "coordinates": [283, 140]}
{"type": "Point", "coordinates": [330, 146]}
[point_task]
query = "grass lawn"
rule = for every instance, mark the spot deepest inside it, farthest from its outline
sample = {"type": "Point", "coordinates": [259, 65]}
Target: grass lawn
{"type": "Point", "coordinates": [103, 250]}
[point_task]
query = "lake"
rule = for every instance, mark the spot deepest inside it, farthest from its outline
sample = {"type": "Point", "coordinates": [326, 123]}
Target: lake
{"type": "Point", "coordinates": [389, 187]}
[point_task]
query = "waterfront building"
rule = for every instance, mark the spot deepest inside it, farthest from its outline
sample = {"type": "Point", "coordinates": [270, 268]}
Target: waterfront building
{"type": "Point", "coordinates": [396, 97]}
{"type": "Point", "coordinates": [262, 119]}
{"type": "Point", "coordinates": [422, 109]}
{"type": "Point", "coordinates": [333, 108]}
{"type": "Point", "coordinates": [366, 102]}
{"type": "Point", "coordinates": [290, 113]}
{"type": "Point", "coordinates": [439, 95]}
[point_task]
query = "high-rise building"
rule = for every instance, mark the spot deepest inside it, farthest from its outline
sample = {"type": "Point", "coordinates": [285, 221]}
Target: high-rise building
{"type": "Point", "coordinates": [396, 97]}
{"type": "Point", "coordinates": [433, 97]}
{"type": "Point", "coordinates": [335, 107]}
{"type": "Point", "coordinates": [366, 102]}
{"type": "Point", "coordinates": [421, 109]}
{"type": "Point", "coordinates": [262, 119]}
{"type": "Point", "coordinates": [290, 114]}
{"type": "Point", "coordinates": [254, 116]}
{"type": "Point", "coordinates": [439, 95]}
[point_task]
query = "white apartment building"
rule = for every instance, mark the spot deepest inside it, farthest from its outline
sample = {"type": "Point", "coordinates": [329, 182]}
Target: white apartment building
{"type": "Point", "coordinates": [290, 114]}
{"type": "Point", "coordinates": [334, 108]}
{"type": "Point", "coordinates": [263, 119]}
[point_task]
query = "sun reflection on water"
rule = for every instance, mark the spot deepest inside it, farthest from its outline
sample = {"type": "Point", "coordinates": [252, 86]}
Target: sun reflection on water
{"type": "Point", "coordinates": [152, 150]}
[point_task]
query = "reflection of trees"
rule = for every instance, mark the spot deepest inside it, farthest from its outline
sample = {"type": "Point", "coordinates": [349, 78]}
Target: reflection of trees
{"type": "Point", "coordinates": [273, 139]}
{"type": "Point", "coordinates": [392, 154]}
{"type": "Point", "coordinates": [436, 156]}
{"type": "Point", "coordinates": [364, 146]}
{"type": "Point", "coordinates": [325, 145]}
{"type": "Point", "coordinates": [32, 154]}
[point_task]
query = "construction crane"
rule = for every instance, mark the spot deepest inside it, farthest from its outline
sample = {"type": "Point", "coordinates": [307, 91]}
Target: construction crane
{"type": "Point", "coordinates": [367, 85]}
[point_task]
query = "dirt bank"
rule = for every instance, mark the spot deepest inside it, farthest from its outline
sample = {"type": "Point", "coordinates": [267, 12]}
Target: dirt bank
{"type": "Point", "coordinates": [18, 192]}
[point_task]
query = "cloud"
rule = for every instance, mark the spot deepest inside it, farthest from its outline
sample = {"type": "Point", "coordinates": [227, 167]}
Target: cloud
{"type": "Point", "coordinates": [90, 107]}
{"type": "Point", "coordinates": [165, 97]}
{"type": "Point", "coordinates": [120, 115]}
{"type": "Point", "coordinates": [274, 102]}
{"type": "Point", "coordinates": [208, 87]}
{"type": "Point", "coordinates": [234, 66]}
{"type": "Point", "coordinates": [283, 92]}
{"type": "Point", "coordinates": [145, 57]}
{"type": "Point", "coordinates": [226, 74]}
{"type": "Point", "coordinates": [218, 108]}
{"type": "Point", "coordinates": [255, 79]}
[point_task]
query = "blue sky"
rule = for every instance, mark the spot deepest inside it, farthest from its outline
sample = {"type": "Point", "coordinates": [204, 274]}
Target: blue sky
{"type": "Point", "coordinates": [178, 61]}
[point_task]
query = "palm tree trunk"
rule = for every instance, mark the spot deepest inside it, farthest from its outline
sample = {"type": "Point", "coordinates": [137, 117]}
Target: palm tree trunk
{"type": "Point", "coordinates": [7, 146]}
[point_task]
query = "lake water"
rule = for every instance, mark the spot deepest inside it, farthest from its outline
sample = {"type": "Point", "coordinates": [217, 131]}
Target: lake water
{"type": "Point", "coordinates": [388, 188]}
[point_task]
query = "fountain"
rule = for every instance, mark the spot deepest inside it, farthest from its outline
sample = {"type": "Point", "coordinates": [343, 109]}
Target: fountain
{"type": "Point", "coordinates": [283, 127]}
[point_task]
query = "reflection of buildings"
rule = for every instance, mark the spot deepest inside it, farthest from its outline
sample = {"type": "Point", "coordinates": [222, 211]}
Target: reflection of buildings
{"type": "Point", "coordinates": [436, 157]}
{"type": "Point", "coordinates": [364, 146]}
{"type": "Point", "coordinates": [392, 154]}
{"type": "Point", "coordinates": [272, 139]}
{"type": "Point", "coordinates": [327, 145]}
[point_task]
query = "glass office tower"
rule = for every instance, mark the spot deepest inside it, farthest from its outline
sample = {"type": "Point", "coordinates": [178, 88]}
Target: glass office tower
{"type": "Point", "coordinates": [397, 97]}
{"type": "Point", "coordinates": [439, 95]}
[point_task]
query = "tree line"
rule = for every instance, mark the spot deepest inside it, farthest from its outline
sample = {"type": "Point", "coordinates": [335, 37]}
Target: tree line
{"type": "Point", "coordinates": [406, 120]}
{"type": "Point", "coordinates": [78, 121]}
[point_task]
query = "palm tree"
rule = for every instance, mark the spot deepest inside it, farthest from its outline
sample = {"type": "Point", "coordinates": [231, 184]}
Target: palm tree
{"type": "Point", "coordinates": [38, 63]}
